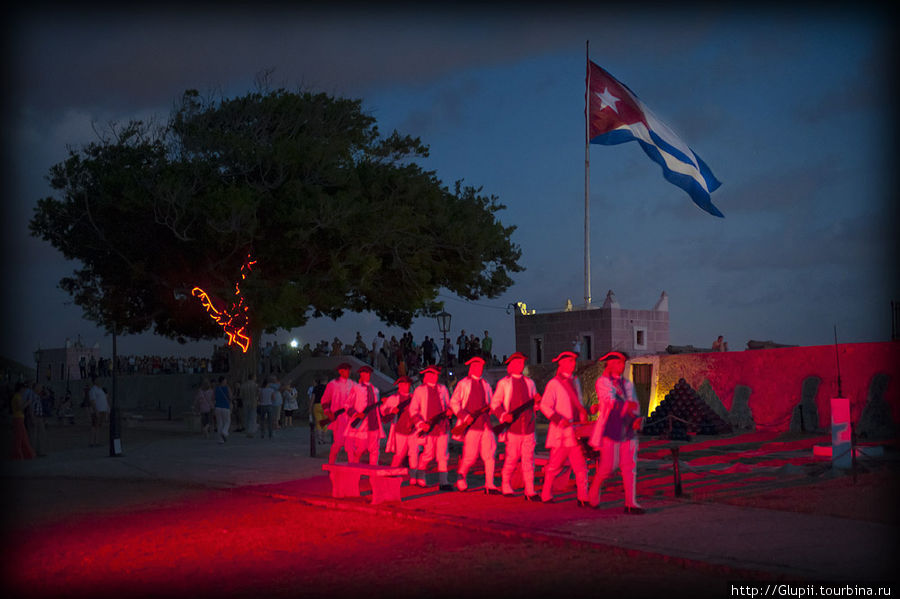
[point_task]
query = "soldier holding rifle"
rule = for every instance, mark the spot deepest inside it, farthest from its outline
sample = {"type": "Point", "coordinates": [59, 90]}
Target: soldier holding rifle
{"type": "Point", "coordinates": [515, 401]}
{"type": "Point", "coordinates": [365, 428]}
{"type": "Point", "coordinates": [471, 402]}
{"type": "Point", "coordinates": [337, 399]}
{"type": "Point", "coordinates": [562, 405]}
{"type": "Point", "coordinates": [402, 440]}
{"type": "Point", "coordinates": [430, 410]}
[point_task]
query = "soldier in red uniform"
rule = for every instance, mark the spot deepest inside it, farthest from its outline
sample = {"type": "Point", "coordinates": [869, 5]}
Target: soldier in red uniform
{"type": "Point", "coordinates": [430, 412]}
{"type": "Point", "coordinates": [615, 432]}
{"type": "Point", "coordinates": [337, 399]}
{"type": "Point", "coordinates": [365, 427]}
{"type": "Point", "coordinates": [402, 440]}
{"type": "Point", "coordinates": [562, 405]}
{"type": "Point", "coordinates": [471, 403]}
{"type": "Point", "coordinates": [515, 401]}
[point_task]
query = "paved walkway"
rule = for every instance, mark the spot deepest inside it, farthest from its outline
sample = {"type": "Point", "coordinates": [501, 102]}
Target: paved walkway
{"type": "Point", "coordinates": [785, 545]}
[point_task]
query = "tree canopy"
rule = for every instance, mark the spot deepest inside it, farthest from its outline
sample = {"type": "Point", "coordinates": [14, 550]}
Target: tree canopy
{"type": "Point", "coordinates": [337, 216]}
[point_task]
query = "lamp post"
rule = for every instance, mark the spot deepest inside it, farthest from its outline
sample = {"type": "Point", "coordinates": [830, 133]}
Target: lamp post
{"type": "Point", "coordinates": [115, 436]}
{"type": "Point", "coordinates": [37, 365]}
{"type": "Point", "coordinates": [443, 322]}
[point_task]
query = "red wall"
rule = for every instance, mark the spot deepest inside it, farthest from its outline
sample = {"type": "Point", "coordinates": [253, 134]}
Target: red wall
{"type": "Point", "coordinates": [776, 378]}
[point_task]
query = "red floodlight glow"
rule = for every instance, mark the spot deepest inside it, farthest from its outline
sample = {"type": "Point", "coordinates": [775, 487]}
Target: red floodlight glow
{"type": "Point", "coordinates": [233, 319]}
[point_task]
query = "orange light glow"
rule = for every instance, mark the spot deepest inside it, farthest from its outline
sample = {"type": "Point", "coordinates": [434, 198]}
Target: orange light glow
{"type": "Point", "coordinates": [233, 319]}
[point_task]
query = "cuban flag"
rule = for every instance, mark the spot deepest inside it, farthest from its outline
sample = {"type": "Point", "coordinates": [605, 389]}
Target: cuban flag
{"type": "Point", "coordinates": [616, 115]}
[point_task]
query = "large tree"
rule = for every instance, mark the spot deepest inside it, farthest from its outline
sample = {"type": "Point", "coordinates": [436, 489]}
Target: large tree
{"type": "Point", "coordinates": [337, 217]}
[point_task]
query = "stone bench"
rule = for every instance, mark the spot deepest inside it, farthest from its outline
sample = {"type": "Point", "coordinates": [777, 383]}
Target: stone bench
{"type": "Point", "coordinates": [385, 480]}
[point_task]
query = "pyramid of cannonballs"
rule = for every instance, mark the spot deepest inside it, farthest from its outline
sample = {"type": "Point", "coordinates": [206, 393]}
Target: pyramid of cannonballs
{"type": "Point", "coordinates": [690, 415]}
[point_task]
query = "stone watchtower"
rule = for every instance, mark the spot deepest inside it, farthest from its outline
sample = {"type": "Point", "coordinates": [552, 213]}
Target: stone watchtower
{"type": "Point", "coordinates": [594, 331]}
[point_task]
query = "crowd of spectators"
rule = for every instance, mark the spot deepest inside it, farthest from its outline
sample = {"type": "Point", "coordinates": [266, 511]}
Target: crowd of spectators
{"type": "Point", "coordinates": [405, 356]}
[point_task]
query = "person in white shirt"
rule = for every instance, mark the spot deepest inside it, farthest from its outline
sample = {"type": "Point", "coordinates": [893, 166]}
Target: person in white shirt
{"type": "Point", "coordinates": [365, 427]}
{"type": "Point", "coordinates": [290, 404]}
{"type": "Point", "coordinates": [430, 413]}
{"type": "Point", "coordinates": [402, 440]}
{"type": "Point", "coordinates": [471, 403]}
{"type": "Point", "coordinates": [266, 404]}
{"type": "Point", "coordinates": [562, 405]}
{"type": "Point", "coordinates": [99, 411]}
{"type": "Point", "coordinates": [516, 400]}
{"type": "Point", "coordinates": [338, 398]}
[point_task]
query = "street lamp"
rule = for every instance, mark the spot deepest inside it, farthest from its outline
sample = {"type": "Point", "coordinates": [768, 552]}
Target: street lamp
{"type": "Point", "coordinates": [443, 322]}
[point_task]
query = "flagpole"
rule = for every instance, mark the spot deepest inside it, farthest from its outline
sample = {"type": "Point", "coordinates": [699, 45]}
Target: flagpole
{"type": "Point", "coordinates": [587, 179]}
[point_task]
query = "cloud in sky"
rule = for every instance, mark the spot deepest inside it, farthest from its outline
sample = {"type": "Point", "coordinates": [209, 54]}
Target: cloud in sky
{"type": "Point", "coordinates": [792, 111]}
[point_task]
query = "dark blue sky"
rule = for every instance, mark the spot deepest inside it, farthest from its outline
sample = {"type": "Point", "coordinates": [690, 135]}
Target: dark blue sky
{"type": "Point", "coordinates": [791, 111]}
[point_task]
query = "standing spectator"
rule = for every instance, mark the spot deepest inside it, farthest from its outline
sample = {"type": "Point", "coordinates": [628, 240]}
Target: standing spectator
{"type": "Point", "coordinates": [377, 345]}
{"type": "Point", "coordinates": [223, 408]}
{"type": "Point", "coordinates": [265, 406]}
{"type": "Point", "coordinates": [474, 346]}
{"type": "Point", "coordinates": [250, 399]}
{"type": "Point", "coordinates": [447, 354]}
{"type": "Point", "coordinates": [381, 360]}
{"type": "Point", "coordinates": [21, 449]}
{"type": "Point", "coordinates": [487, 348]}
{"type": "Point", "coordinates": [82, 367]}
{"type": "Point", "coordinates": [427, 351]}
{"type": "Point", "coordinates": [359, 349]}
{"type": "Point", "coordinates": [461, 343]}
{"type": "Point", "coordinates": [99, 412]}
{"type": "Point", "coordinates": [316, 410]}
{"type": "Point", "coordinates": [290, 404]}
{"type": "Point", "coordinates": [277, 404]}
{"type": "Point", "coordinates": [38, 430]}
{"type": "Point", "coordinates": [204, 402]}
{"type": "Point", "coordinates": [237, 408]}
{"type": "Point", "coordinates": [720, 344]}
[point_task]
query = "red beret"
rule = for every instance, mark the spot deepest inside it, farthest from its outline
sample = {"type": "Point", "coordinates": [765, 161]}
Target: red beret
{"type": "Point", "coordinates": [516, 356]}
{"type": "Point", "coordinates": [613, 355]}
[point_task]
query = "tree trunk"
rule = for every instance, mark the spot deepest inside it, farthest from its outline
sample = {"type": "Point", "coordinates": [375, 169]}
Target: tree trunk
{"type": "Point", "coordinates": [242, 364]}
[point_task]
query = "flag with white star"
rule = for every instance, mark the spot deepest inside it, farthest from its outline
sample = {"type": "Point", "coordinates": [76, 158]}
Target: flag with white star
{"type": "Point", "coordinates": [616, 115]}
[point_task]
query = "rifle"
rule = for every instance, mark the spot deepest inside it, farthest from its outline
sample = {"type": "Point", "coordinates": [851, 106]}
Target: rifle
{"type": "Point", "coordinates": [326, 421]}
{"type": "Point", "coordinates": [360, 416]}
{"type": "Point", "coordinates": [462, 428]}
{"type": "Point", "coordinates": [435, 420]}
{"type": "Point", "coordinates": [402, 406]}
{"type": "Point", "coordinates": [515, 415]}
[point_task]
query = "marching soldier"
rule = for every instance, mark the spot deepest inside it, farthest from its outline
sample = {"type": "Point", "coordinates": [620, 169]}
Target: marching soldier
{"type": "Point", "coordinates": [515, 401]}
{"type": "Point", "coordinates": [615, 432]}
{"type": "Point", "coordinates": [471, 403]}
{"type": "Point", "coordinates": [561, 404]}
{"type": "Point", "coordinates": [402, 440]}
{"type": "Point", "coordinates": [365, 427]}
{"type": "Point", "coordinates": [430, 411]}
{"type": "Point", "coordinates": [336, 401]}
